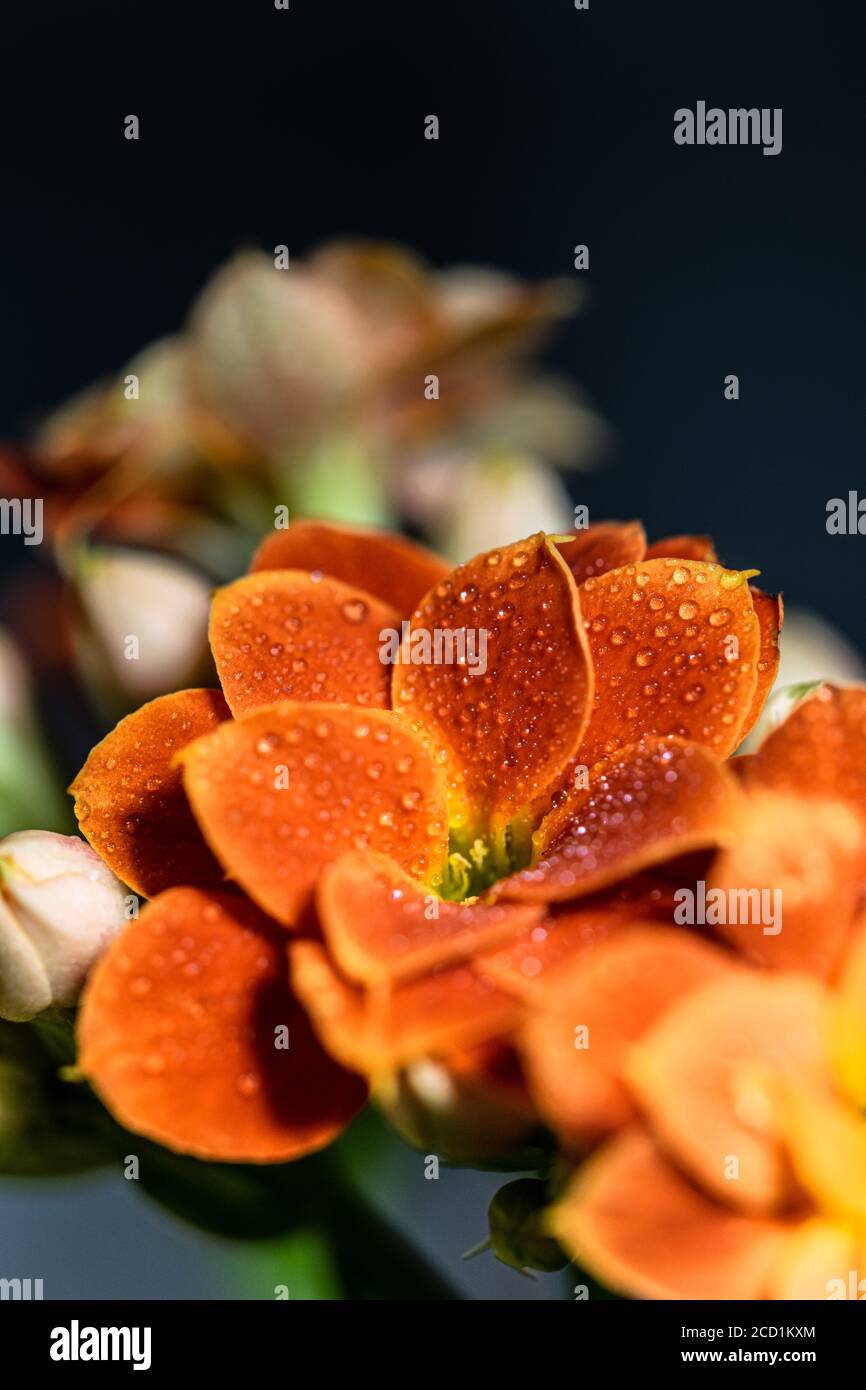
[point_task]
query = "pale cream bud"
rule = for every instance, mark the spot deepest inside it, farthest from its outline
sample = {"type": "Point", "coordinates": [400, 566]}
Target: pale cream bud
{"type": "Point", "coordinates": [60, 908]}
{"type": "Point", "coordinates": [144, 628]}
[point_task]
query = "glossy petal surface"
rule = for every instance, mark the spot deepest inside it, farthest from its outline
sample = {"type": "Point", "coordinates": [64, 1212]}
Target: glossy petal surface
{"type": "Point", "coordinates": [504, 732]}
{"type": "Point", "coordinates": [279, 635]}
{"type": "Point", "coordinates": [675, 648]}
{"type": "Point", "coordinates": [130, 801]}
{"type": "Point", "coordinates": [392, 568]}
{"type": "Point", "coordinates": [290, 789]}
{"type": "Point", "coordinates": [180, 1035]}
{"type": "Point", "coordinates": [656, 800]}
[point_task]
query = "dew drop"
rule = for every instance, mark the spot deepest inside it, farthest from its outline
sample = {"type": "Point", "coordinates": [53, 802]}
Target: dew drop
{"type": "Point", "coordinates": [354, 610]}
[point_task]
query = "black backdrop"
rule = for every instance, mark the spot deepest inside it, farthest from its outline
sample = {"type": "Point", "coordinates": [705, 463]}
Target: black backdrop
{"type": "Point", "coordinates": [264, 126]}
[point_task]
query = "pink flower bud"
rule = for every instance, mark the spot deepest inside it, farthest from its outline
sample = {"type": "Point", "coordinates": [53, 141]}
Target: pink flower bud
{"type": "Point", "coordinates": [60, 907]}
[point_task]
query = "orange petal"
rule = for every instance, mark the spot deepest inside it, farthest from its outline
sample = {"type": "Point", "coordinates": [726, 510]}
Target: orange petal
{"type": "Point", "coordinates": [607, 546]}
{"type": "Point", "coordinates": [280, 635]}
{"type": "Point", "coordinates": [707, 1074]}
{"type": "Point", "coordinates": [575, 1052]}
{"type": "Point", "coordinates": [180, 1034]}
{"type": "Point", "coordinates": [508, 729]}
{"type": "Point", "coordinates": [381, 1030]}
{"type": "Point", "coordinates": [130, 801]}
{"type": "Point", "coordinates": [531, 966]}
{"type": "Point", "coordinates": [655, 800]}
{"type": "Point", "coordinates": [644, 1230]}
{"type": "Point", "coordinates": [820, 749]}
{"type": "Point", "coordinates": [771, 615]}
{"type": "Point", "coordinates": [815, 1263]}
{"type": "Point", "coordinates": [661, 635]}
{"type": "Point", "coordinates": [806, 859]}
{"type": "Point", "coordinates": [395, 570]}
{"type": "Point", "coordinates": [382, 926]}
{"type": "Point", "coordinates": [290, 789]}
{"type": "Point", "coordinates": [683, 548]}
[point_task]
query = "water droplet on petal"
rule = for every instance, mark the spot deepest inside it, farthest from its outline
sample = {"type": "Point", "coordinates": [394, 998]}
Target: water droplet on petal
{"type": "Point", "coordinates": [354, 610]}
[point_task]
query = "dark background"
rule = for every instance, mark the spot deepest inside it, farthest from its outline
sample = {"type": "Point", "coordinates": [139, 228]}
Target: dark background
{"type": "Point", "coordinates": [265, 126]}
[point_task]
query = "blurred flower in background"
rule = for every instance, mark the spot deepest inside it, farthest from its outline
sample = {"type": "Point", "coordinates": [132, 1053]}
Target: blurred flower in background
{"type": "Point", "coordinates": [357, 385]}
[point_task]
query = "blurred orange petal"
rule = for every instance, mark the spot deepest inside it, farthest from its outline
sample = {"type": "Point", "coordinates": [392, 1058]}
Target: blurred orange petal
{"type": "Point", "coordinates": [575, 1052]}
{"type": "Point", "coordinates": [380, 1030]}
{"type": "Point", "coordinates": [675, 648]}
{"type": "Point", "coordinates": [707, 1075]}
{"type": "Point", "coordinates": [394, 569]}
{"type": "Point", "coordinates": [531, 966]}
{"type": "Point", "coordinates": [820, 749]}
{"type": "Point", "coordinates": [806, 861]}
{"type": "Point", "coordinates": [508, 730]}
{"type": "Point", "coordinates": [129, 796]}
{"type": "Point", "coordinates": [289, 789]}
{"type": "Point", "coordinates": [179, 1034]}
{"type": "Point", "coordinates": [280, 635]}
{"type": "Point", "coordinates": [644, 1230]}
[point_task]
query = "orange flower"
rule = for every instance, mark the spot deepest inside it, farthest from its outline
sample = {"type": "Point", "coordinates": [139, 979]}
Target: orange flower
{"type": "Point", "coordinates": [745, 1176]}
{"type": "Point", "coordinates": [736, 1166]}
{"type": "Point", "coordinates": [416, 838]}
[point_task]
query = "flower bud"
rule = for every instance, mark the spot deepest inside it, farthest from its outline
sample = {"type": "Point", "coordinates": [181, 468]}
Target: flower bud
{"type": "Point", "coordinates": [470, 501]}
{"type": "Point", "coordinates": [518, 1231]}
{"type": "Point", "coordinates": [275, 356]}
{"type": "Point", "coordinates": [60, 907]}
{"type": "Point", "coordinates": [465, 1109]}
{"type": "Point", "coordinates": [144, 622]}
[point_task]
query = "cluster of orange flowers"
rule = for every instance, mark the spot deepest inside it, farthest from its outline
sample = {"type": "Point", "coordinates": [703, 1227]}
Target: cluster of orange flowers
{"type": "Point", "coordinates": [354, 868]}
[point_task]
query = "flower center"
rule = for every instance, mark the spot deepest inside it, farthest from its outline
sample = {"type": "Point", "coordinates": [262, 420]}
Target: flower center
{"type": "Point", "coordinates": [476, 862]}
